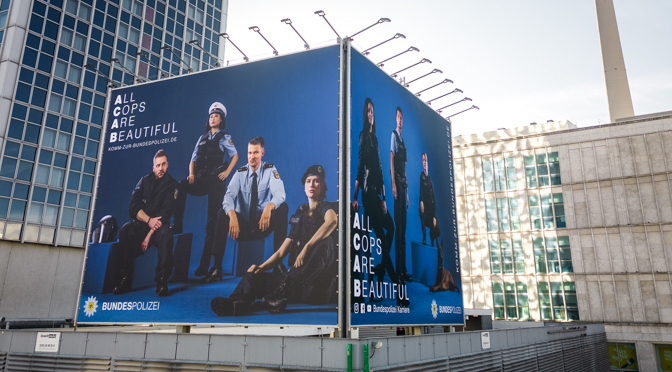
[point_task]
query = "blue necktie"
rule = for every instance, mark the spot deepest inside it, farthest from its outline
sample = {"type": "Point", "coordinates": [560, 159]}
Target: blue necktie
{"type": "Point", "coordinates": [254, 200]}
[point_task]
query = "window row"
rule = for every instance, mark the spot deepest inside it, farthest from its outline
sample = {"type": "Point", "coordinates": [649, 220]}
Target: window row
{"type": "Point", "coordinates": [557, 301]}
{"type": "Point", "coordinates": [551, 255]}
{"type": "Point", "coordinates": [547, 211]}
{"type": "Point", "coordinates": [541, 170]}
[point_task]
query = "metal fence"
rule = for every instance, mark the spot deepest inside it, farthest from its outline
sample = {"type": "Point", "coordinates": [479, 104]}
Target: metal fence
{"type": "Point", "coordinates": [534, 349]}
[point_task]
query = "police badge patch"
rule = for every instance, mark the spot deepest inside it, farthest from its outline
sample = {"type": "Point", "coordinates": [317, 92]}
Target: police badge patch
{"type": "Point", "coordinates": [230, 142]}
{"type": "Point", "coordinates": [175, 194]}
{"type": "Point", "coordinates": [276, 174]}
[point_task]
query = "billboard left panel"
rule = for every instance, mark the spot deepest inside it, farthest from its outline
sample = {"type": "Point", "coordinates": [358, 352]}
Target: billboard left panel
{"type": "Point", "coordinates": [216, 184]}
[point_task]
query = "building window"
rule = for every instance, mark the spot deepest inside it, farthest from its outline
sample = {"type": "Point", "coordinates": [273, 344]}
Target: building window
{"type": "Point", "coordinates": [542, 170]}
{"type": "Point", "coordinates": [499, 174]}
{"type": "Point", "coordinates": [510, 300]}
{"type": "Point", "coordinates": [547, 211]}
{"type": "Point", "coordinates": [664, 357]}
{"type": "Point", "coordinates": [503, 214]}
{"type": "Point", "coordinates": [552, 255]}
{"type": "Point", "coordinates": [557, 301]}
{"type": "Point", "coordinates": [507, 258]}
{"type": "Point", "coordinates": [623, 357]}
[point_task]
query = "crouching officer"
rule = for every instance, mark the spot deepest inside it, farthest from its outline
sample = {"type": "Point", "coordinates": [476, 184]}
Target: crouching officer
{"type": "Point", "coordinates": [211, 162]}
{"type": "Point", "coordinates": [152, 204]}
{"type": "Point", "coordinates": [253, 208]}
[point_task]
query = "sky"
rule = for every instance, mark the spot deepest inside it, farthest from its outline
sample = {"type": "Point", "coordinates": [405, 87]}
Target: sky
{"type": "Point", "coordinates": [520, 61]}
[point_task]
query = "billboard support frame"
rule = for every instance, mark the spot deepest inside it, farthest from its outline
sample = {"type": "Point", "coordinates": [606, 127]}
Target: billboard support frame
{"type": "Point", "coordinates": [344, 191]}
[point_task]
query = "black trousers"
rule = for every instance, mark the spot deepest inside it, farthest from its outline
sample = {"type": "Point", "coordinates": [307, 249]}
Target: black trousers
{"type": "Point", "coordinates": [427, 220]}
{"type": "Point", "coordinates": [400, 227]}
{"type": "Point", "coordinates": [250, 231]}
{"type": "Point", "coordinates": [383, 226]}
{"type": "Point", "coordinates": [214, 188]}
{"type": "Point", "coordinates": [256, 286]}
{"type": "Point", "coordinates": [130, 239]}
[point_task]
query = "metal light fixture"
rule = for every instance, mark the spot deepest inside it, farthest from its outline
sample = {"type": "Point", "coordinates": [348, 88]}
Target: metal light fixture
{"type": "Point", "coordinates": [382, 20]}
{"type": "Point", "coordinates": [456, 90]}
{"type": "Point", "coordinates": [454, 103]}
{"type": "Point", "coordinates": [321, 14]}
{"type": "Point", "coordinates": [472, 107]}
{"type": "Point", "coordinates": [415, 64]}
{"type": "Point", "coordinates": [435, 85]}
{"type": "Point", "coordinates": [170, 49]}
{"type": "Point", "coordinates": [110, 83]}
{"type": "Point", "coordinates": [289, 22]}
{"type": "Point", "coordinates": [142, 54]}
{"type": "Point", "coordinates": [257, 30]}
{"type": "Point", "coordinates": [434, 71]}
{"type": "Point", "coordinates": [375, 345]}
{"type": "Point", "coordinates": [396, 36]}
{"type": "Point", "coordinates": [198, 45]}
{"type": "Point", "coordinates": [138, 79]}
{"type": "Point", "coordinates": [411, 49]}
{"type": "Point", "coordinates": [227, 37]}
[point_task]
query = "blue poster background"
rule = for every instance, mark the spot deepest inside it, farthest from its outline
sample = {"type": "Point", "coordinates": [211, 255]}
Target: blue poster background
{"type": "Point", "coordinates": [423, 131]}
{"type": "Point", "coordinates": [292, 101]}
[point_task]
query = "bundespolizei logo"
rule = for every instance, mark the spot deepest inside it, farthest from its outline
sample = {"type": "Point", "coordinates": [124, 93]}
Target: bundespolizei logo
{"type": "Point", "coordinates": [90, 306]}
{"type": "Point", "coordinates": [435, 309]}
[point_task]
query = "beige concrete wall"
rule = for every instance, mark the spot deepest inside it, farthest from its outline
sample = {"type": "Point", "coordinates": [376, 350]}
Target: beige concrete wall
{"type": "Point", "coordinates": [38, 281]}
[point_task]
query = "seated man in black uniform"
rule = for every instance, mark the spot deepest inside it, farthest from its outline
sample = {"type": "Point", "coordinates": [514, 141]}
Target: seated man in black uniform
{"type": "Point", "coordinates": [253, 207]}
{"type": "Point", "coordinates": [312, 254]}
{"type": "Point", "coordinates": [152, 204]}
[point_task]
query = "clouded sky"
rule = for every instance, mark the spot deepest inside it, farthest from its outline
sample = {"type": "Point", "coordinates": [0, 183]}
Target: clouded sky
{"type": "Point", "coordinates": [521, 61]}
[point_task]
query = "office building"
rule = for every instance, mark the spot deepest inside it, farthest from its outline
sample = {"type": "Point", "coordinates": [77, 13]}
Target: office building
{"type": "Point", "coordinates": [559, 223]}
{"type": "Point", "coordinates": [58, 61]}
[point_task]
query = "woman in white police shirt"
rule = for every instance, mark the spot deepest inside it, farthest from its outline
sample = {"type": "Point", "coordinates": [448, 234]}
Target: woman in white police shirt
{"type": "Point", "coordinates": [211, 162]}
{"type": "Point", "coordinates": [312, 256]}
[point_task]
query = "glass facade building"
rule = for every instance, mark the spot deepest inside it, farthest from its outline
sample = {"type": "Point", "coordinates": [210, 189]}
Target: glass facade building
{"type": "Point", "coordinates": [61, 58]}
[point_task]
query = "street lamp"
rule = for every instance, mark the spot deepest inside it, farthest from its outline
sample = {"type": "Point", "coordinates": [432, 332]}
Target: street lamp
{"type": "Point", "coordinates": [434, 71]}
{"type": "Point", "coordinates": [396, 36]}
{"type": "Point", "coordinates": [321, 14]}
{"type": "Point", "coordinates": [137, 78]}
{"type": "Point", "coordinates": [110, 83]}
{"type": "Point", "coordinates": [382, 20]}
{"type": "Point", "coordinates": [455, 103]}
{"type": "Point", "coordinates": [289, 22]}
{"type": "Point", "coordinates": [472, 107]}
{"type": "Point", "coordinates": [256, 29]}
{"type": "Point", "coordinates": [142, 54]}
{"type": "Point", "coordinates": [170, 49]}
{"type": "Point", "coordinates": [411, 49]}
{"type": "Point", "coordinates": [227, 37]}
{"type": "Point", "coordinates": [404, 69]}
{"type": "Point", "coordinates": [435, 85]}
{"type": "Point", "coordinates": [456, 90]}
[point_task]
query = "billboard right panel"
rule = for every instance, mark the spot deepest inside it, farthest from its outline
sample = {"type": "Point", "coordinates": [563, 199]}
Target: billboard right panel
{"type": "Point", "coordinates": [405, 264]}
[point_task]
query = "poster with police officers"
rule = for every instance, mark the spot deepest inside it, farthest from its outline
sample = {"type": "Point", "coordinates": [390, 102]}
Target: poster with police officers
{"type": "Point", "coordinates": [402, 187]}
{"type": "Point", "coordinates": [217, 198]}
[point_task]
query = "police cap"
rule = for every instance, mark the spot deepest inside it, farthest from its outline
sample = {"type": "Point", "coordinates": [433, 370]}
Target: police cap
{"type": "Point", "coordinates": [217, 108]}
{"type": "Point", "coordinates": [315, 170]}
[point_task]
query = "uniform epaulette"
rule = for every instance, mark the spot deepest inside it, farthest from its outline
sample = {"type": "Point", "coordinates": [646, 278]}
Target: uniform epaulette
{"type": "Point", "coordinates": [242, 169]}
{"type": "Point", "coordinates": [268, 165]}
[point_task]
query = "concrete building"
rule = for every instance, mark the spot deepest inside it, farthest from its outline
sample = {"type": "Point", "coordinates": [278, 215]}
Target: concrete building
{"type": "Point", "coordinates": [58, 60]}
{"type": "Point", "coordinates": [559, 223]}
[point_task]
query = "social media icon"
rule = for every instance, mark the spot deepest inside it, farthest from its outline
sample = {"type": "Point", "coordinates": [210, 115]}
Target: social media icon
{"type": "Point", "coordinates": [362, 309]}
{"type": "Point", "coordinates": [356, 308]}
{"type": "Point", "coordinates": [368, 308]}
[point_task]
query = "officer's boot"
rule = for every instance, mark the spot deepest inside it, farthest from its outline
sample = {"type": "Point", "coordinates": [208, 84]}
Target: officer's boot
{"type": "Point", "coordinates": [276, 302]}
{"type": "Point", "coordinates": [162, 286]}
{"type": "Point", "coordinates": [439, 268]}
{"type": "Point", "coordinates": [125, 285]}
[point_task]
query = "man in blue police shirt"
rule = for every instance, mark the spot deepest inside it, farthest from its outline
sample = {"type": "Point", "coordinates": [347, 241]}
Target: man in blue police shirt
{"type": "Point", "coordinates": [253, 208]}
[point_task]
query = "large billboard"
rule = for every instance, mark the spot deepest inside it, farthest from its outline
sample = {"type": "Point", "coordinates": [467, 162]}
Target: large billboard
{"type": "Point", "coordinates": [233, 222]}
{"type": "Point", "coordinates": [404, 256]}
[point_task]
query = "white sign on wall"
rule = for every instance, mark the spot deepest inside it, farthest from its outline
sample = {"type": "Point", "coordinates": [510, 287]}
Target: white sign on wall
{"type": "Point", "coordinates": [485, 340]}
{"type": "Point", "coordinates": [47, 342]}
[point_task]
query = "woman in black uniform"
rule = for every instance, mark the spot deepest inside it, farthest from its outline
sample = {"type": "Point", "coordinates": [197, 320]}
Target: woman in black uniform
{"type": "Point", "coordinates": [370, 180]}
{"type": "Point", "coordinates": [311, 246]}
{"type": "Point", "coordinates": [207, 176]}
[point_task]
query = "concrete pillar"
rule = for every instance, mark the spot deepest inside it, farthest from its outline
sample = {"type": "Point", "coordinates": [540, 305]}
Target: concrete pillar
{"type": "Point", "coordinates": [618, 90]}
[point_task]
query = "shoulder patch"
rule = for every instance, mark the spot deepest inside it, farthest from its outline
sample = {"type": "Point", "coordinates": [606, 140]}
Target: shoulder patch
{"type": "Point", "coordinates": [242, 169]}
{"type": "Point", "coordinates": [230, 142]}
{"type": "Point", "coordinates": [276, 174]}
{"type": "Point", "coordinates": [268, 165]}
{"type": "Point", "coordinates": [175, 194]}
